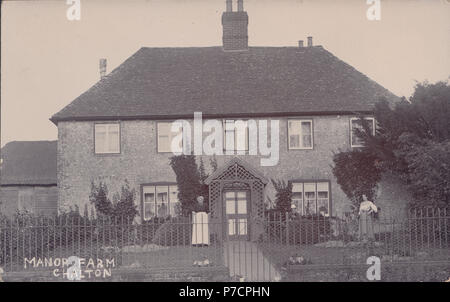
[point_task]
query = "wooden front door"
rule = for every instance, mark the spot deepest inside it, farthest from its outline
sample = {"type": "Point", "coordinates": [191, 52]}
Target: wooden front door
{"type": "Point", "coordinates": [236, 214]}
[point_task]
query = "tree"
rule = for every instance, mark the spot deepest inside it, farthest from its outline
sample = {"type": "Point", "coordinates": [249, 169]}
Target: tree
{"type": "Point", "coordinates": [357, 173]}
{"type": "Point", "coordinates": [122, 206]}
{"type": "Point", "coordinates": [283, 195]}
{"type": "Point", "coordinates": [99, 197]}
{"type": "Point", "coordinates": [188, 180]}
{"type": "Point", "coordinates": [411, 141]}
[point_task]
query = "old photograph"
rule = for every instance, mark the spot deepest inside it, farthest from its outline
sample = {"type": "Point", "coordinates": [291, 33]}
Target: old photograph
{"type": "Point", "coordinates": [225, 141]}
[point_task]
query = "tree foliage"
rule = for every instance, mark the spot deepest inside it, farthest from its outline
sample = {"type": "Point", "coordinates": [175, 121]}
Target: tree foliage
{"type": "Point", "coordinates": [191, 182]}
{"type": "Point", "coordinates": [122, 206]}
{"type": "Point", "coordinates": [283, 195]}
{"type": "Point", "coordinates": [357, 173]}
{"type": "Point", "coordinates": [412, 141]}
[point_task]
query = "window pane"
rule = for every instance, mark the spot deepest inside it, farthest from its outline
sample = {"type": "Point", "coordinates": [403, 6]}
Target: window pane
{"type": "Point", "coordinates": [231, 227]}
{"type": "Point", "coordinates": [307, 134]}
{"type": "Point", "coordinates": [297, 187]}
{"type": "Point", "coordinates": [173, 202]}
{"type": "Point", "coordinates": [242, 206]}
{"type": "Point", "coordinates": [322, 205]}
{"type": "Point", "coordinates": [242, 195]}
{"type": "Point", "coordinates": [229, 195]}
{"type": "Point", "coordinates": [100, 138]}
{"type": "Point", "coordinates": [310, 198]}
{"type": "Point", "coordinates": [162, 199]}
{"type": "Point", "coordinates": [323, 198]}
{"type": "Point", "coordinates": [241, 136]}
{"type": "Point", "coordinates": [149, 210]}
{"type": "Point", "coordinates": [356, 124]}
{"type": "Point", "coordinates": [164, 137]}
{"type": "Point", "coordinates": [107, 138]}
{"type": "Point", "coordinates": [163, 143]}
{"type": "Point", "coordinates": [230, 206]}
{"type": "Point", "coordinates": [229, 135]}
{"type": "Point", "coordinates": [242, 226]}
{"type": "Point", "coordinates": [113, 143]}
{"type": "Point", "coordinates": [294, 141]}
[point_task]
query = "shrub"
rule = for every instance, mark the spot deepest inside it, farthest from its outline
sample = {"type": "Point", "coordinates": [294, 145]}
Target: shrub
{"type": "Point", "coordinates": [147, 230]}
{"type": "Point", "coordinates": [121, 208]}
{"type": "Point", "coordinates": [299, 229]}
{"type": "Point", "coordinates": [283, 196]}
{"type": "Point", "coordinates": [176, 231]}
{"type": "Point", "coordinates": [28, 235]}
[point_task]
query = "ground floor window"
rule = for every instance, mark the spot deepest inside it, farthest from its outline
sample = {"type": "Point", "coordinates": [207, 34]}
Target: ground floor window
{"type": "Point", "coordinates": [160, 201]}
{"type": "Point", "coordinates": [311, 197]}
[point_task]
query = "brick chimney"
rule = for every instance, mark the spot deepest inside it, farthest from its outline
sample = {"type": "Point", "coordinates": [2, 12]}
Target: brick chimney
{"type": "Point", "coordinates": [235, 27]}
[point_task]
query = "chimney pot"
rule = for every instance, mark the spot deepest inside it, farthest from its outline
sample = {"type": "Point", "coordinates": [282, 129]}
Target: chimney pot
{"type": "Point", "coordinates": [300, 43]}
{"type": "Point", "coordinates": [229, 6]}
{"type": "Point", "coordinates": [240, 5]}
{"type": "Point", "coordinates": [310, 41]}
{"type": "Point", "coordinates": [102, 68]}
{"type": "Point", "coordinates": [235, 28]}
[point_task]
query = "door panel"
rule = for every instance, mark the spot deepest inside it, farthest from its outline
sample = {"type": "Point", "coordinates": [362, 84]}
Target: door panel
{"type": "Point", "coordinates": [236, 214]}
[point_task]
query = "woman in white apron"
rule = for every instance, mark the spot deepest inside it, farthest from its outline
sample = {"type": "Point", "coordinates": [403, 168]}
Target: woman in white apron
{"type": "Point", "coordinates": [200, 223]}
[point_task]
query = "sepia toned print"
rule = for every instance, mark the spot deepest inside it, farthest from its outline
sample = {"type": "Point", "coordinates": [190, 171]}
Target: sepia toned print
{"type": "Point", "coordinates": [228, 140]}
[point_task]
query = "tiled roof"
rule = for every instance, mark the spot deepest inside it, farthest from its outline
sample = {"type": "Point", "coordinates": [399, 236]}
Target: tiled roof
{"type": "Point", "coordinates": [263, 81]}
{"type": "Point", "coordinates": [28, 163]}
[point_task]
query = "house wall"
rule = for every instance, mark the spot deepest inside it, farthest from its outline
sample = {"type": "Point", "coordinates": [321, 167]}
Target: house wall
{"type": "Point", "coordinates": [40, 200]}
{"type": "Point", "coordinates": [140, 163]}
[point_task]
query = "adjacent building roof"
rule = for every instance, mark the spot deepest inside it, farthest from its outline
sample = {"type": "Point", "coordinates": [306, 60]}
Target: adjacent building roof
{"type": "Point", "coordinates": [28, 163]}
{"type": "Point", "coordinates": [263, 81]}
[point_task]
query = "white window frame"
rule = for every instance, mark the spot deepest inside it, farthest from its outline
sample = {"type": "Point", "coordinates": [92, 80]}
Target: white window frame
{"type": "Point", "coordinates": [300, 133]}
{"type": "Point", "coordinates": [235, 147]}
{"type": "Point", "coordinates": [351, 130]}
{"type": "Point", "coordinates": [170, 135]}
{"type": "Point", "coordinates": [106, 149]}
{"type": "Point", "coordinates": [316, 192]}
{"type": "Point", "coordinates": [153, 187]}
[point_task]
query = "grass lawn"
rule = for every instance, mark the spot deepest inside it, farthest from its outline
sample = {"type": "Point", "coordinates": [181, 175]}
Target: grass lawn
{"type": "Point", "coordinates": [318, 255]}
{"type": "Point", "coordinates": [174, 257]}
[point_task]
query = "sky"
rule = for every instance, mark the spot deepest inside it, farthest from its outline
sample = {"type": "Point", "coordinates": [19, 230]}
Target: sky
{"type": "Point", "coordinates": [47, 60]}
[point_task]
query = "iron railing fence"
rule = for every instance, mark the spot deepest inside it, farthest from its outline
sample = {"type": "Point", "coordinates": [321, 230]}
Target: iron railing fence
{"type": "Point", "coordinates": [33, 243]}
{"type": "Point", "coordinates": [421, 235]}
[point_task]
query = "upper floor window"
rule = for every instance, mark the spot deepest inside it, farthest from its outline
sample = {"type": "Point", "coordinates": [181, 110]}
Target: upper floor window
{"type": "Point", "coordinates": [166, 136]}
{"type": "Point", "coordinates": [311, 197]}
{"type": "Point", "coordinates": [160, 201]}
{"type": "Point", "coordinates": [355, 123]}
{"type": "Point", "coordinates": [300, 134]}
{"type": "Point", "coordinates": [107, 138]}
{"type": "Point", "coordinates": [235, 135]}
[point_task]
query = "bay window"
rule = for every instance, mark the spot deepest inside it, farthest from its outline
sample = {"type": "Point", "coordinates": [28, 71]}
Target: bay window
{"type": "Point", "coordinates": [311, 197]}
{"type": "Point", "coordinates": [160, 201]}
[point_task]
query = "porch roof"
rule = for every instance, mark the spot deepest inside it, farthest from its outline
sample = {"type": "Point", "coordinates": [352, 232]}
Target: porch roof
{"type": "Point", "coordinates": [237, 160]}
